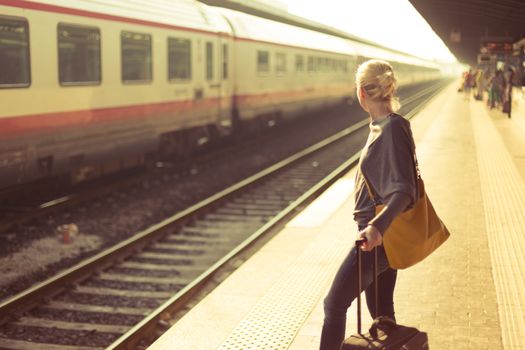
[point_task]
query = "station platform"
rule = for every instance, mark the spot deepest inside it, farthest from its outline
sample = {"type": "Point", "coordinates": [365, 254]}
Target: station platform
{"type": "Point", "coordinates": [470, 294]}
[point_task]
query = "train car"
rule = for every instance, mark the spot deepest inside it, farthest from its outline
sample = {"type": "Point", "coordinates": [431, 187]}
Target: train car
{"type": "Point", "coordinates": [409, 69]}
{"type": "Point", "coordinates": [90, 87]}
{"type": "Point", "coordinates": [283, 70]}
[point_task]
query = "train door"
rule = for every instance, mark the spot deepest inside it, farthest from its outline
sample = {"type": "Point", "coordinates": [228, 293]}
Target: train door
{"type": "Point", "coordinates": [225, 81]}
{"type": "Point", "coordinates": [218, 55]}
{"type": "Point", "coordinates": [217, 79]}
{"type": "Point", "coordinates": [211, 77]}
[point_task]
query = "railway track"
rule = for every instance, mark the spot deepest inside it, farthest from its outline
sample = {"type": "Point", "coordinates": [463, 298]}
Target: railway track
{"type": "Point", "coordinates": [43, 199]}
{"type": "Point", "coordinates": [120, 296]}
{"type": "Point", "coordinates": [39, 200]}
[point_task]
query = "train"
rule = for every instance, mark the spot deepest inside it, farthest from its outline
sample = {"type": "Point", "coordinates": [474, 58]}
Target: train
{"type": "Point", "coordinates": [89, 87]}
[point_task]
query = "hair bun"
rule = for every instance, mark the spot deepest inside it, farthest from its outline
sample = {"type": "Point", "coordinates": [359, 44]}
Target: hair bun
{"type": "Point", "coordinates": [379, 81]}
{"type": "Point", "coordinates": [387, 82]}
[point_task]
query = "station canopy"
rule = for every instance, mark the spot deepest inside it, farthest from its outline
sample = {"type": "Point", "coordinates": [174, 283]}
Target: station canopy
{"type": "Point", "coordinates": [468, 25]}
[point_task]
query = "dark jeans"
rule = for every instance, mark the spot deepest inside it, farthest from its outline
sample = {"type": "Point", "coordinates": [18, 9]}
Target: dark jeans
{"type": "Point", "coordinates": [344, 290]}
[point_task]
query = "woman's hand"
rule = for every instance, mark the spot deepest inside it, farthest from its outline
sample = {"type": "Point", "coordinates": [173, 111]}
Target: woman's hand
{"type": "Point", "coordinates": [373, 238]}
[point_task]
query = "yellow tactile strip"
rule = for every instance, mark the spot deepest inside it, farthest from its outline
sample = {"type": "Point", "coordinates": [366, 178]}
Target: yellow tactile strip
{"type": "Point", "coordinates": [503, 193]}
{"type": "Point", "coordinates": [281, 311]}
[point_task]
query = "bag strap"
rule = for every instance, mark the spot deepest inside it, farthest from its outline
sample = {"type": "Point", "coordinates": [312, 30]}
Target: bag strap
{"type": "Point", "coordinates": [418, 173]}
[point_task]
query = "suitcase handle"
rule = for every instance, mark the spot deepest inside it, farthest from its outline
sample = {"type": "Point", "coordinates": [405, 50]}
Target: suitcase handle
{"type": "Point", "coordinates": [381, 320]}
{"type": "Point", "coordinates": [358, 244]}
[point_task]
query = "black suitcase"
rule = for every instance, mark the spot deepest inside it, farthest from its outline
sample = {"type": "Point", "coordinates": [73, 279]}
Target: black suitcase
{"type": "Point", "coordinates": [385, 333]}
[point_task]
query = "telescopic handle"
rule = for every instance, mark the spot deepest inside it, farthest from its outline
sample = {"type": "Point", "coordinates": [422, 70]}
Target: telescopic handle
{"type": "Point", "coordinates": [358, 244]}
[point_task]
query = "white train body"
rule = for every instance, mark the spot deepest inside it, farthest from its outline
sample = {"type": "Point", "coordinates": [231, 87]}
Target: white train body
{"type": "Point", "coordinates": [286, 85]}
{"type": "Point", "coordinates": [93, 86]}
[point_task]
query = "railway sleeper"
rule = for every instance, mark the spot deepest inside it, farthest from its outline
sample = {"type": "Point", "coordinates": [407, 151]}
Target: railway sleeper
{"type": "Point", "coordinates": [191, 240]}
{"type": "Point", "coordinates": [268, 194]}
{"type": "Point", "coordinates": [173, 243]}
{"type": "Point", "coordinates": [56, 305]}
{"type": "Point", "coordinates": [13, 344]}
{"type": "Point", "coordinates": [178, 246]}
{"type": "Point", "coordinates": [143, 279]}
{"type": "Point", "coordinates": [123, 292]}
{"type": "Point", "coordinates": [237, 229]}
{"type": "Point", "coordinates": [258, 203]}
{"type": "Point", "coordinates": [158, 267]}
{"type": "Point", "coordinates": [89, 327]}
{"type": "Point", "coordinates": [245, 203]}
{"type": "Point", "coordinates": [248, 211]}
{"type": "Point", "coordinates": [265, 193]}
{"type": "Point", "coordinates": [286, 190]}
{"type": "Point", "coordinates": [193, 261]}
{"type": "Point", "coordinates": [235, 218]}
{"type": "Point", "coordinates": [201, 223]}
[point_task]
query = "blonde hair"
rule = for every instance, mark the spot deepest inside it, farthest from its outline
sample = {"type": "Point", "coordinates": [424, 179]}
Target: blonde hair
{"type": "Point", "coordinates": [378, 80]}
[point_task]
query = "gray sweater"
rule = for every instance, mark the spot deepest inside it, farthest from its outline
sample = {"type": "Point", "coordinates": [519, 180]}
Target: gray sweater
{"type": "Point", "coordinates": [387, 163]}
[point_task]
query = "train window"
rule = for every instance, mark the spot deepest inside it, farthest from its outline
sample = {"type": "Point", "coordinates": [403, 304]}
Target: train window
{"type": "Point", "coordinates": [78, 55]}
{"type": "Point", "coordinates": [263, 61]}
{"type": "Point", "coordinates": [14, 52]}
{"type": "Point", "coordinates": [224, 61]}
{"type": "Point", "coordinates": [338, 65]}
{"type": "Point", "coordinates": [209, 61]}
{"type": "Point", "coordinates": [311, 63]}
{"type": "Point", "coordinates": [280, 62]}
{"type": "Point", "coordinates": [319, 63]}
{"type": "Point", "coordinates": [136, 57]}
{"type": "Point", "coordinates": [179, 59]}
{"type": "Point", "coordinates": [299, 63]}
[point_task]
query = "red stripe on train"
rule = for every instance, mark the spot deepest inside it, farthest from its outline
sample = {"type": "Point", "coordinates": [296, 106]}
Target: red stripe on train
{"type": "Point", "coordinates": [12, 126]}
{"type": "Point", "coordinates": [15, 125]}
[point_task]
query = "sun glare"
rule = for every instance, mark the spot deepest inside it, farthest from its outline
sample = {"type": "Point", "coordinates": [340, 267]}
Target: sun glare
{"type": "Point", "coordinates": [392, 23]}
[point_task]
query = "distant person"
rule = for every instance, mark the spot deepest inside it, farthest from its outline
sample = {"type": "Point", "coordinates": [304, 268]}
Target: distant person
{"type": "Point", "coordinates": [520, 78]}
{"type": "Point", "coordinates": [490, 90]}
{"type": "Point", "coordinates": [496, 88]}
{"type": "Point", "coordinates": [509, 82]}
{"type": "Point", "coordinates": [387, 163]}
{"type": "Point", "coordinates": [468, 82]}
{"type": "Point", "coordinates": [480, 84]}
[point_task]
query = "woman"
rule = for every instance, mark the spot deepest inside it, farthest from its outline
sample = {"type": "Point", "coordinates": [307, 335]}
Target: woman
{"type": "Point", "coordinates": [387, 165]}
